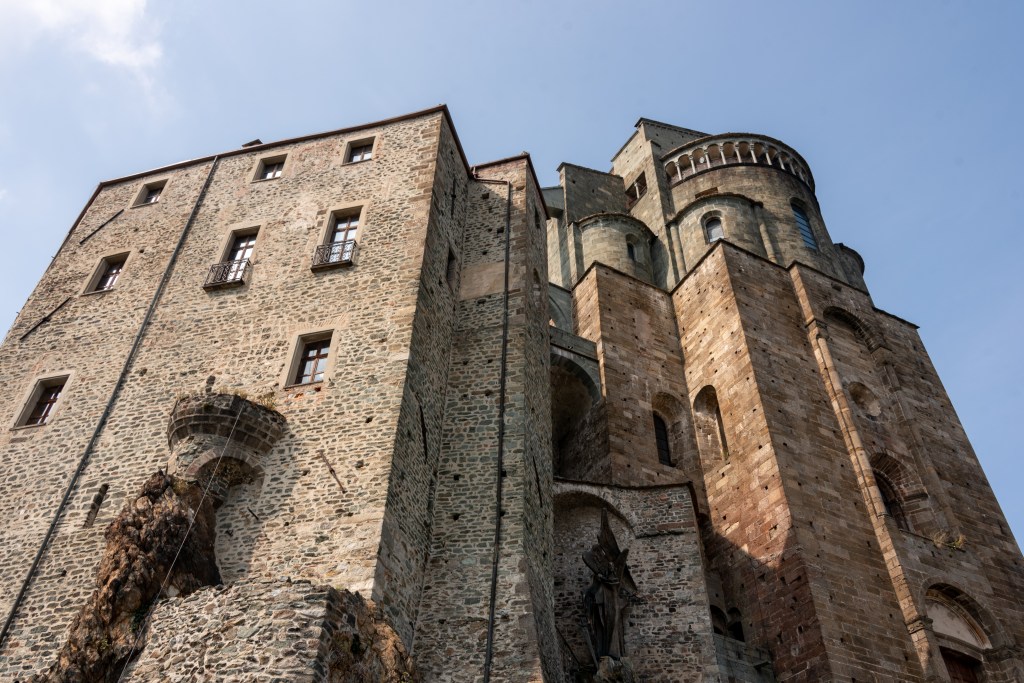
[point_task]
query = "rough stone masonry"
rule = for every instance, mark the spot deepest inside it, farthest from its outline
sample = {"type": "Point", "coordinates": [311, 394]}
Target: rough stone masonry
{"type": "Point", "coordinates": [347, 408]}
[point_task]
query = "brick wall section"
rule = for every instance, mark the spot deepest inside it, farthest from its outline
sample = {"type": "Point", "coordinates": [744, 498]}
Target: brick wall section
{"type": "Point", "coordinates": [89, 337]}
{"type": "Point", "coordinates": [311, 525]}
{"type": "Point", "coordinates": [750, 543]}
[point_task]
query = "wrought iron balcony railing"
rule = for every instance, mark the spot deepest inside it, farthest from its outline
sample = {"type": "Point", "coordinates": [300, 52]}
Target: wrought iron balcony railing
{"type": "Point", "coordinates": [335, 254]}
{"type": "Point", "coordinates": [228, 273]}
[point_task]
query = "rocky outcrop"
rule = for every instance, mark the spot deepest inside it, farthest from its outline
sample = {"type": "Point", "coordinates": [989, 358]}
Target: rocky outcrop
{"type": "Point", "coordinates": [168, 526]}
{"type": "Point", "coordinates": [363, 647]}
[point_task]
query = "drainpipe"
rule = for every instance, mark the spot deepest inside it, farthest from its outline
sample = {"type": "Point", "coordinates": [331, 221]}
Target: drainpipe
{"type": "Point", "coordinates": [132, 353]}
{"type": "Point", "coordinates": [489, 652]}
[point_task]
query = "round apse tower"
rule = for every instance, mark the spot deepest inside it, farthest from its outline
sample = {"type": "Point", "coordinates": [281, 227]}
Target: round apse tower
{"type": "Point", "coordinates": [757, 193]}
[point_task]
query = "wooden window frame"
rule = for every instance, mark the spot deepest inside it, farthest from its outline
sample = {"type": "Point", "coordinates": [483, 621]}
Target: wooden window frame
{"type": "Point", "coordinates": [26, 418]}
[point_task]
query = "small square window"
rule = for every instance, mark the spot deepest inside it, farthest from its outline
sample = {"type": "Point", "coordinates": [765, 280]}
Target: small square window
{"type": "Point", "coordinates": [360, 151]}
{"type": "Point", "coordinates": [150, 193]}
{"type": "Point", "coordinates": [269, 169]}
{"type": "Point", "coordinates": [44, 400]}
{"type": "Point", "coordinates": [108, 273]}
{"type": "Point", "coordinates": [311, 362]}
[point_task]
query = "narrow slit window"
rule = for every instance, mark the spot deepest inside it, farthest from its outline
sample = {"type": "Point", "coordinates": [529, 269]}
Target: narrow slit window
{"type": "Point", "coordinates": [661, 437]}
{"type": "Point", "coordinates": [804, 225]}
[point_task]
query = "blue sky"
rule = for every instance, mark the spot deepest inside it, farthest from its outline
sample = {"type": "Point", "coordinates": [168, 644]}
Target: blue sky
{"type": "Point", "coordinates": [908, 113]}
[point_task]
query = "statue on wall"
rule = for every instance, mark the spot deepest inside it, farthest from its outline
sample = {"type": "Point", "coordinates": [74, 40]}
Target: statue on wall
{"type": "Point", "coordinates": [606, 601]}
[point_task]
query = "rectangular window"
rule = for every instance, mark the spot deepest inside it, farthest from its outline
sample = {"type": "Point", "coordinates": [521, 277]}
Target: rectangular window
{"type": "Point", "coordinates": [109, 273]}
{"type": "Point", "coordinates": [360, 151]}
{"type": "Point", "coordinates": [150, 193]}
{"type": "Point", "coordinates": [340, 246]}
{"type": "Point", "coordinates": [269, 169]}
{"type": "Point", "coordinates": [313, 361]}
{"type": "Point", "coordinates": [43, 402]}
{"type": "Point", "coordinates": [232, 270]}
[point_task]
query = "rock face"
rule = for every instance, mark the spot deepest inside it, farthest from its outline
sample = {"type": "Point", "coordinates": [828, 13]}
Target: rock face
{"type": "Point", "coordinates": [363, 646]}
{"type": "Point", "coordinates": [142, 544]}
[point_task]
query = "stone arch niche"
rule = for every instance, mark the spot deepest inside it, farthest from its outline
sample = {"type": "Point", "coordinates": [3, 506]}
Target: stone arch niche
{"type": "Point", "coordinates": [677, 422]}
{"type": "Point", "coordinates": [579, 427]}
{"type": "Point", "coordinates": [711, 439]}
{"type": "Point", "coordinates": [220, 442]}
{"type": "Point", "coordinates": [900, 486]}
{"type": "Point", "coordinates": [964, 632]}
{"type": "Point", "coordinates": [577, 522]}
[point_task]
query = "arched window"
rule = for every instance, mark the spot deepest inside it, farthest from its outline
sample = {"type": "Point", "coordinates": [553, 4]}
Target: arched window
{"type": "Point", "coordinates": [891, 500]}
{"type": "Point", "coordinates": [957, 624]}
{"type": "Point", "coordinates": [630, 251]}
{"type": "Point", "coordinates": [710, 428]}
{"type": "Point", "coordinates": [804, 226]}
{"type": "Point", "coordinates": [661, 436]}
{"type": "Point", "coordinates": [719, 624]}
{"type": "Point", "coordinates": [735, 627]}
{"type": "Point", "coordinates": [713, 229]}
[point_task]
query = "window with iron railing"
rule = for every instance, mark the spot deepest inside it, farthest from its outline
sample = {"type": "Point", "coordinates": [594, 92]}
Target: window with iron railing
{"type": "Point", "coordinates": [234, 269]}
{"type": "Point", "coordinates": [341, 246]}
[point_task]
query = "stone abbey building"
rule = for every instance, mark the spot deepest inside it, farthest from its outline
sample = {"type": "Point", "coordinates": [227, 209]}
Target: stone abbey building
{"type": "Point", "coordinates": [345, 407]}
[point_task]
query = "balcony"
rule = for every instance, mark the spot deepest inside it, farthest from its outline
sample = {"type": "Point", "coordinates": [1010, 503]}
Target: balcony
{"type": "Point", "coordinates": [734, 149]}
{"type": "Point", "coordinates": [228, 274]}
{"type": "Point", "coordinates": [335, 254]}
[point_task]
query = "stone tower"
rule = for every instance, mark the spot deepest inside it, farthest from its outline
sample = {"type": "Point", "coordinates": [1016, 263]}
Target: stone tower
{"type": "Point", "coordinates": [344, 407]}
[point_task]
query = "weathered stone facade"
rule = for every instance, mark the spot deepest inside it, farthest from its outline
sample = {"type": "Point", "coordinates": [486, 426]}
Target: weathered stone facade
{"type": "Point", "coordinates": [675, 345]}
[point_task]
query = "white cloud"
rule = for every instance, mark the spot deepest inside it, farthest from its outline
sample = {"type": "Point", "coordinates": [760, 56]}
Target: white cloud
{"type": "Point", "coordinates": [115, 32]}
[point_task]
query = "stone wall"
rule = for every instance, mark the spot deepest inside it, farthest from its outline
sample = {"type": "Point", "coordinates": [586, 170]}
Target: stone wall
{"type": "Point", "coordinates": [285, 630]}
{"type": "Point", "coordinates": [903, 429]}
{"type": "Point", "coordinates": [668, 626]}
{"type": "Point", "coordinates": [320, 510]}
{"type": "Point", "coordinates": [634, 328]}
{"type": "Point", "coordinates": [455, 625]}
